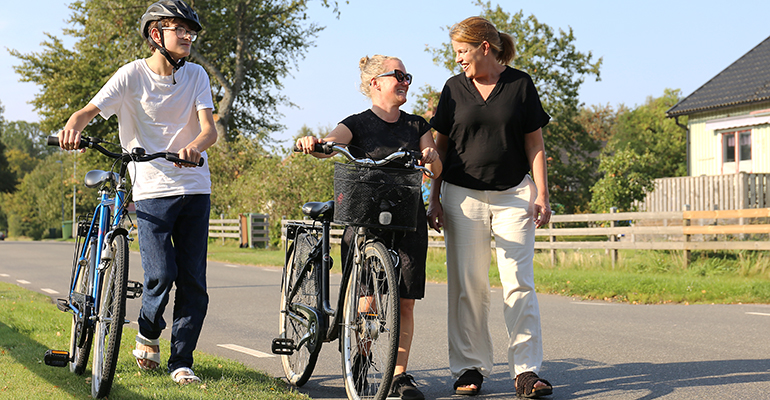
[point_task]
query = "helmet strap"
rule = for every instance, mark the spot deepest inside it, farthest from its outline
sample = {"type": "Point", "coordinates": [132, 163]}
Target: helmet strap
{"type": "Point", "coordinates": [174, 63]}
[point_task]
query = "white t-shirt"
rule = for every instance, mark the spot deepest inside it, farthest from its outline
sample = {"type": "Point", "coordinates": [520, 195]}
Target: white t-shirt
{"type": "Point", "coordinates": [157, 115]}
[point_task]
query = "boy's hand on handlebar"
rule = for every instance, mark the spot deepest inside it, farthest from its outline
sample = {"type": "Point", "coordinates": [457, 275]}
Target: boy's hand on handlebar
{"type": "Point", "coordinates": [307, 144]}
{"type": "Point", "coordinates": [69, 139]}
{"type": "Point", "coordinates": [429, 155]}
{"type": "Point", "coordinates": [191, 154]}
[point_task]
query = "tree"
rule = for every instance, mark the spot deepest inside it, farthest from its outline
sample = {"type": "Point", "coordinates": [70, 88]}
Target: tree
{"type": "Point", "coordinates": [647, 129]}
{"type": "Point", "coordinates": [7, 176]}
{"type": "Point", "coordinates": [247, 47]}
{"type": "Point", "coordinates": [625, 180]}
{"type": "Point", "coordinates": [558, 70]}
{"type": "Point", "coordinates": [247, 179]}
{"type": "Point", "coordinates": [644, 146]}
{"type": "Point", "coordinates": [36, 206]}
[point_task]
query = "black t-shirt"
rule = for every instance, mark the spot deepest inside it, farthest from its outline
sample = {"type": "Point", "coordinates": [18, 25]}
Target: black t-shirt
{"type": "Point", "coordinates": [486, 138]}
{"type": "Point", "coordinates": [375, 138]}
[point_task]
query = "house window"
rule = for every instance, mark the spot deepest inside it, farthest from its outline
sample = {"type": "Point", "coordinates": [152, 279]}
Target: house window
{"type": "Point", "coordinates": [736, 146]}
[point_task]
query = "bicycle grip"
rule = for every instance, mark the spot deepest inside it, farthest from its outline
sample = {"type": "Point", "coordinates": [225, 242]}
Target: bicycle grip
{"type": "Point", "coordinates": [54, 141]}
{"type": "Point", "coordinates": [174, 157]}
{"type": "Point", "coordinates": [325, 148]}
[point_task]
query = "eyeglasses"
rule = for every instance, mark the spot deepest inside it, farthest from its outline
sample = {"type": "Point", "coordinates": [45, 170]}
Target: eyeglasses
{"type": "Point", "coordinates": [400, 76]}
{"type": "Point", "coordinates": [181, 32]}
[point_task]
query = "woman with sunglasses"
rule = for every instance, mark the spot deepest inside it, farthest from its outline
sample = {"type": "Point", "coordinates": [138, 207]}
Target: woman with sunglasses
{"type": "Point", "coordinates": [377, 132]}
{"type": "Point", "coordinates": [489, 121]}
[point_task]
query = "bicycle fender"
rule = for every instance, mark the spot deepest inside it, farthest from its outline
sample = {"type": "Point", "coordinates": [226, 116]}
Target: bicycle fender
{"type": "Point", "coordinates": [111, 234]}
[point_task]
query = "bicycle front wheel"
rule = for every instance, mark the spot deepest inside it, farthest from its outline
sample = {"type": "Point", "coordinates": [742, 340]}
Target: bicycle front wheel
{"type": "Point", "coordinates": [112, 314]}
{"type": "Point", "coordinates": [294, 324]}
{"type": "Point", "coordinates": [371, 325]}
{"type": "Point", "coordinates": [80, 334]}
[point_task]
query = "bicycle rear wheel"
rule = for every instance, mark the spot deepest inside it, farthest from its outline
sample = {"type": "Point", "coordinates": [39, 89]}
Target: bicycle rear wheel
{"type": "Point", "coordinates": [112, 315]}
{"type": "Point", "coordinates": [371, 325]}
{"type": "Point", "coordinates": [294, 324]}
{"type": "Point", "coordinates": [80, 335]}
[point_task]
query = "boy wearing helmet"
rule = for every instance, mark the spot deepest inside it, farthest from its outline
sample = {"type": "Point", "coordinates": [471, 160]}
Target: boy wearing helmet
{"type": "Point", "coordinates": [164, 104]}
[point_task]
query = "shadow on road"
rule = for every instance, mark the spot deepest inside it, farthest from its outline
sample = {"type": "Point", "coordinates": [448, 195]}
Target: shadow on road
{"type": "Point", "coordinates": [586, 379]}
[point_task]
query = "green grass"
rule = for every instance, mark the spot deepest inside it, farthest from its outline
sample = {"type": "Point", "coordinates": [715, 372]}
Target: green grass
{"type": "Point", "coordinates": [30, 324]}
{"type": "Point", "coordinates": [643, 277]}
{"type": "Point", "coordinates": [653, 277]}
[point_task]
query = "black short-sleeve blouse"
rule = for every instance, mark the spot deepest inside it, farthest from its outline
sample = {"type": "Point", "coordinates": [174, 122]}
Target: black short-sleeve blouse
{"type": "Point", "coordinates": [486, 138]}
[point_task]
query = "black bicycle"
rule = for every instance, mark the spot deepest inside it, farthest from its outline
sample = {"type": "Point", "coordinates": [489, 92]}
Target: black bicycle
{"type": "Point", "coordinates": [372, 201]}
{"type": "Point", "coordinates": [99, 284]}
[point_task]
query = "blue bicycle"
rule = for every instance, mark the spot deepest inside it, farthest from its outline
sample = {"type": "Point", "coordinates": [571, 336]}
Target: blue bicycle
{"type": "Point", "coordinates": [99, 284]}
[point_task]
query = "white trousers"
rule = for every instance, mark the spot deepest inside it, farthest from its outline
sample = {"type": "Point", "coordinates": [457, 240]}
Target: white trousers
{"type": "Point", "coordinates": [471, 217]}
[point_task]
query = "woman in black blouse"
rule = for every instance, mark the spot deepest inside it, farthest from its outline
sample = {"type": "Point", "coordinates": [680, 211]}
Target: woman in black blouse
{"type": "Point", "coordinates": [377, 132]}
{"type": "Point", "coordinates": [489, 121]}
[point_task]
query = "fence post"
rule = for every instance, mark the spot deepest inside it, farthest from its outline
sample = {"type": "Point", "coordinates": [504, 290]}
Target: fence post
{"type": "Point", "coordinates": [243, 229]}
{"type": "Point", "coordinates": [613, 238]}
{"type": "Point", "coordinates": [552, 239]}
{"type": "Point", "coordinates": [686, 253]}
{"type": "Point", "coordinates": [222, 222]}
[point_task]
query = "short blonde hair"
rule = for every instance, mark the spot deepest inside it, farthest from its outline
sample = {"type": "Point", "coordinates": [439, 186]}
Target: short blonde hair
{"type": "Point", "coordinates": [371, 67]}
{"type": "Point", "coordinates": [475, 30]}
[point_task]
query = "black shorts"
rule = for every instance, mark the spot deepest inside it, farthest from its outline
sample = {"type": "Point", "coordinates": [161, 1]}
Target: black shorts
{"type": "Point", "coordinates": [412, 249]}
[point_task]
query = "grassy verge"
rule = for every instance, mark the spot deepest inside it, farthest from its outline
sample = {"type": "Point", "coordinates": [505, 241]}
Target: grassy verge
{"type": "Point", "coordinates": [30, 324]}
{"type": "Point", "coordinates": [644, 277]}
{"type": "Point", "coordinates": [653, 277]}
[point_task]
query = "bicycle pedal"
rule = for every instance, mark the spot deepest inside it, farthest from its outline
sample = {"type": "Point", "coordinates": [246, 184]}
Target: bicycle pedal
{"type": "Point", "coordinates": [57, 358]}
{"type": "Point", "coordinates": [63, 305]}
{"type": "Point", "coordinates": [283, 346]}
{"type": "Point", "coordinates": [134, 289]}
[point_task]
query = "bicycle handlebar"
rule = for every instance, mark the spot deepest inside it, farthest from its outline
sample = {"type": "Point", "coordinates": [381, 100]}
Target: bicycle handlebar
{"type": "Point", "coordinates": [331, 147]}
{"type": "Point", "coordinates": [137, 154]}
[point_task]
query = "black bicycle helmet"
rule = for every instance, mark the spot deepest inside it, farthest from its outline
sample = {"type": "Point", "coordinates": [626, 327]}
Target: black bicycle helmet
{"type": "Point", "coordinates": [169, 9]}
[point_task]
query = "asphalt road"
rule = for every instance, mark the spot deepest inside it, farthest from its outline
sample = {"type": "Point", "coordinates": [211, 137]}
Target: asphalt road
{"type": "Point", "coordinates": [593, 350]}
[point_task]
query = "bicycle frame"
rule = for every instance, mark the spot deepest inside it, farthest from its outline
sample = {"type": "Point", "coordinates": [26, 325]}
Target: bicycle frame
{"type": "Point", "coordinates": [107, 225]}
{"type": "Point", "coordinates": [321, 251]}
{"type": "Point", "coordinates": [366, 317]}
{"type": "Point", "coordinates": [97, 294]}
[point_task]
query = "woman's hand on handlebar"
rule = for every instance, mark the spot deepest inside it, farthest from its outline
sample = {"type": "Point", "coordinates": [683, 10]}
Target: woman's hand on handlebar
{"type": "Point", "coordinates": [307, 144]}
{"type": "Point", "coordinates": [429, 155]}
{"type": "Point", "coordinates": [69, 139]}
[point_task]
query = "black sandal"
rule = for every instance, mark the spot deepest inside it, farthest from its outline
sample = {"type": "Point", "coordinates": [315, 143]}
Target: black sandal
{"type": "Point", "coordinates": [469, 377]}
{"type": "Point", "coordinates": [525, 386]}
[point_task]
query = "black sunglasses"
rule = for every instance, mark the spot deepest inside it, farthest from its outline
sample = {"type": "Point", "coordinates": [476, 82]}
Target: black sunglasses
{"type": "Point", "coordinates": [400, 76]}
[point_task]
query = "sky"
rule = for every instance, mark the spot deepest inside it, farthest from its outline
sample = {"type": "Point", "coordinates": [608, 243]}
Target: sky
{"type": "Point", "coordinates": [646, 47]}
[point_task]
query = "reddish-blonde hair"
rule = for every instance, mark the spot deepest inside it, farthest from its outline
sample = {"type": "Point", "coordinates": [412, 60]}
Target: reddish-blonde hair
{"type": "Point", "coordinates": [476, 30]}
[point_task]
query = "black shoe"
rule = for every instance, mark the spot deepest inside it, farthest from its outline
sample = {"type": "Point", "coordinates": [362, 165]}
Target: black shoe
{"type": "Point", "coordinates": [403, 388]}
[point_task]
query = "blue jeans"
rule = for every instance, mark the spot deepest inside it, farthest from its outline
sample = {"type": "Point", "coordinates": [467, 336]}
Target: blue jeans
{"type": "Point", "coordinates": [173, 238]}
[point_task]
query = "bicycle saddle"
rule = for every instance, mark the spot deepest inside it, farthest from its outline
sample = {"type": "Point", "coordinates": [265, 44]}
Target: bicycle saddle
{"type": "Point", "coordinates": [319, 211]}
{"type": "Point", "coordinates": [96, 177]}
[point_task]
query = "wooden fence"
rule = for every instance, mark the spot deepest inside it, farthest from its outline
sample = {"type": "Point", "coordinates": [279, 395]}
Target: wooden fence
{"type": "Point", "coordinates": [709, 193]}
{"type": "Point", "coordinates": [251, 230]}
{"type": "Point", "coordinates": [685, 231]}
{"type": "Point", "coordinates": [682, 230]}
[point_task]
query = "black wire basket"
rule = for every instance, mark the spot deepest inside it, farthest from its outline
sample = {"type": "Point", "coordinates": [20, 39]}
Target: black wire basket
{"type": "Point", "coordinates": [377, 197]}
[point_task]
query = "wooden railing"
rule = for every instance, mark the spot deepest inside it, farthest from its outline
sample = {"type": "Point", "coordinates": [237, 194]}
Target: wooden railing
{"type": "Point", "coordinates": [681, 230]}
